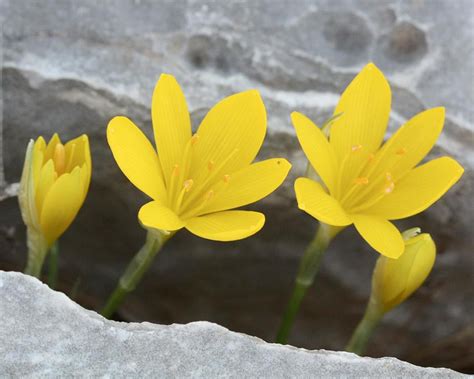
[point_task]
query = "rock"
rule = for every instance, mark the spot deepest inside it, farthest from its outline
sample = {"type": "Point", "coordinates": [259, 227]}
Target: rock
{"type": "Point", "coordinates": [70, 67]}
{"type": "Point", "coordinates": [406, 42]}
{"type": "Point", "coordinates": [48, 335]}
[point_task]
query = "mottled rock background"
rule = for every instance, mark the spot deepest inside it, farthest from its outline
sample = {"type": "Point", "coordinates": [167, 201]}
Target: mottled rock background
{"type": "Point", "coordinates": [69, 66]}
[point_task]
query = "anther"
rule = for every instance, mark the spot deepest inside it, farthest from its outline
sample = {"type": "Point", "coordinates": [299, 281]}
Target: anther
{"type": "Point", "coordinates": [361, 180]}
{"type": "Point", "coordinates": [209, 195]}
{"type": "Point", "coordinates": [389, 188]}
{"type": "Point", "coordinates": [401, 151]}
{"type": "Point", "coordinates": [226, 178]}
{"type": "Point", "coordinates": [188, 184]}
{"type": "Point", "coordinates": [194, 139]}
{"type": "Point", "coordinates": [210, 165]}
{"type": "Point", "coordinates": [356, 148]}
{"type": "Point", "coordinates": [175, 171]}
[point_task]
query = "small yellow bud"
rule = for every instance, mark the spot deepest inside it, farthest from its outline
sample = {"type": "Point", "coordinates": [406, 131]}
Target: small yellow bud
{"type": "Point", "coordinates": [394, 280]}
{"type": "Point", "coordinates": [53, 186]}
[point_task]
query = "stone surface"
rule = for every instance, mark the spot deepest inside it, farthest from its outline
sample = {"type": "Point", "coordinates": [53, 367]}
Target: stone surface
{"type": "Point", "coordinates": [48, 335]}
{"type": "Point", "coordinates": [70, 66]}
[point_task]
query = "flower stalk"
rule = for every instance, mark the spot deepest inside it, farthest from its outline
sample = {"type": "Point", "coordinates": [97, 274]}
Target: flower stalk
{"type": "Point", "coordinates": [361, 336]}
{"type": "Point", "coordinates": [53, 265]}
{"type": "Point", "coordinates": [134, 272]}
{"type": "Point", "coordinates": [37, 251]}
{"type": "Point", "coordinates": [309, 266]}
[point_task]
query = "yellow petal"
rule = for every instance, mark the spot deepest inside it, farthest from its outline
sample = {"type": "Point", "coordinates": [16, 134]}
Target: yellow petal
{"type": "Point", "coordinates": [396, 279]}
{"type": "Point", "coordinates": [364, 110]}
{"type": "Point", "coordinates": [157, 216]}
{"type": "Point", "coordinates": [171, 122]}
{"type": "Point", "coordinates": [136, 157]}
{"type": "Point", "coordinates": [227, 225]}
{"type": "Point", "coordinates": [411, 143]}
{"type": "Point", "coordinates": [60, 206]}
{"type": "Point", "coordinates": [248, 185]}
{"type": "Point", "coordinates": [425, 255]}
{"type": "Point", "coordinates": [314, 200]}
{"type": "Point", "coordinates": [78, 154]}
{"type": "Point", "coordinates": [317, 149]}
{"type": "Point", "coordinates": [230, 135]}
{"type": "Point", "coordinates": [45, 181]}
{"type": "Point", "coordinates": [418, 189]}
{"type": "Point", "coordinates": [49, 152]}
{"type": "Point", "coordinates": [381, 234]}
{"type": "Point", "coordinates": [26, 191]}
{"type": "Point", "coordinates": [38, 160]}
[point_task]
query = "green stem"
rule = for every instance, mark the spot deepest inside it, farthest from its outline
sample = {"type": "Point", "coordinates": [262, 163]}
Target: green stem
{"type": "Point", "coordinates": [308, 269]}
{"type": "Point", "coordinates": [365, 329]}
{"type": "Point", "coordinates": [135, 270]}
{"type": "Point", "coordinates": [53, 265]}
{"type": "Point", "coordinates": [37, 251]}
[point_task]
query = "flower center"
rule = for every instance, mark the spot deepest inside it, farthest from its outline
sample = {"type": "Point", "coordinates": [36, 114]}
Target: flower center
{"type": "Point", "coordinates": [372, 184]}
{"type": "Point", "coordinates": [189, 196]}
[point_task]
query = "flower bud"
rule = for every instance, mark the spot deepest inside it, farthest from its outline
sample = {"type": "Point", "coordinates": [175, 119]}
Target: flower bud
{"type": "Point", "coordinates": [54, 184]}
{"type": "Point", "coordinates": [394, 280]}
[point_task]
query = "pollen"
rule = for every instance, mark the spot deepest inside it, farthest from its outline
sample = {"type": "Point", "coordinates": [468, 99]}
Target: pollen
{"type": "Point", "coordinates": [355, 148]}
{"type": "Point", "coordinates": [371, 157]}
{"type": "Point", "coordinates": [226, 178]}
{"type": "Point", "coordinates": [210, 165]}
{"type": "Point", "coordinates": [388, 176]}
{"type": "Point", "coordinates": [361, 180]}
{"type": "Point", "coordinates": [188, 184]}
{"type": "Point", "coordinates": [401, 151]}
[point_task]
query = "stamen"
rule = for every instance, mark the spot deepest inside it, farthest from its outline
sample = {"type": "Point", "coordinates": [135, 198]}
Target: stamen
{"type": "Point", "coordinates": [194, 139]}
{"type": "Point", "coordinates": [389, 188]}
{"type": "Point", "coordinates": [188, 184]}
{"type": "Point", "coordinates": [209, 195]}
{"type": "Point", "coordinates": [361, 180]}
{"type": "Point", "coordinates": [356, 148]}
{"type": "Point", "coordinates": [203, 183]}
{"type": "Point", "coordinates": [173, 183]}
{"type": "Point", "coordinates": [210, 165]}
{"type": "Point", "coordinates": [226, 178]}
{"type": "Point", "coordinates": [175, 171]}
{"type": "Point", "coordinates": [401, 151]}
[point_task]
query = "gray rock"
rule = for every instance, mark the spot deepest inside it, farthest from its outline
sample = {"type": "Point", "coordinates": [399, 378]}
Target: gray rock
{"type": "Point", "coordinates": [70, 66]}
{"type": "Point", "coordinates": [47, 335]}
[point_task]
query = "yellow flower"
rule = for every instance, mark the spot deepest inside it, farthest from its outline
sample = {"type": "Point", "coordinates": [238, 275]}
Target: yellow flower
{"type": "Point", "coordinates": [53, 186]}
{"type": "Point", "coordinates": [194, 180]}
{"type": "Point", "coordinates": [362, 182]}
{"type": "Point", "coordinates": [394, 280]}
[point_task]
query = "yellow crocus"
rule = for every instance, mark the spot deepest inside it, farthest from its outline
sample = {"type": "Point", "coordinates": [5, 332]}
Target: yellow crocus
{"type": "Point", "coordinates": [195, 180]}
{"type": "Point", "coordinates": [394, 280]}
{"type": "Point", "coordinates": [53, 186]}
{"type": "Point", "coordinates": [363, 182]}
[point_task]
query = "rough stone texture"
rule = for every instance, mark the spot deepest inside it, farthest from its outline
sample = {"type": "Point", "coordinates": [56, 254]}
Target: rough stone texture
{"type": "Point", "coordinates": [70, 66]}
{"type": "Point", "coordinates": [48, 335]}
